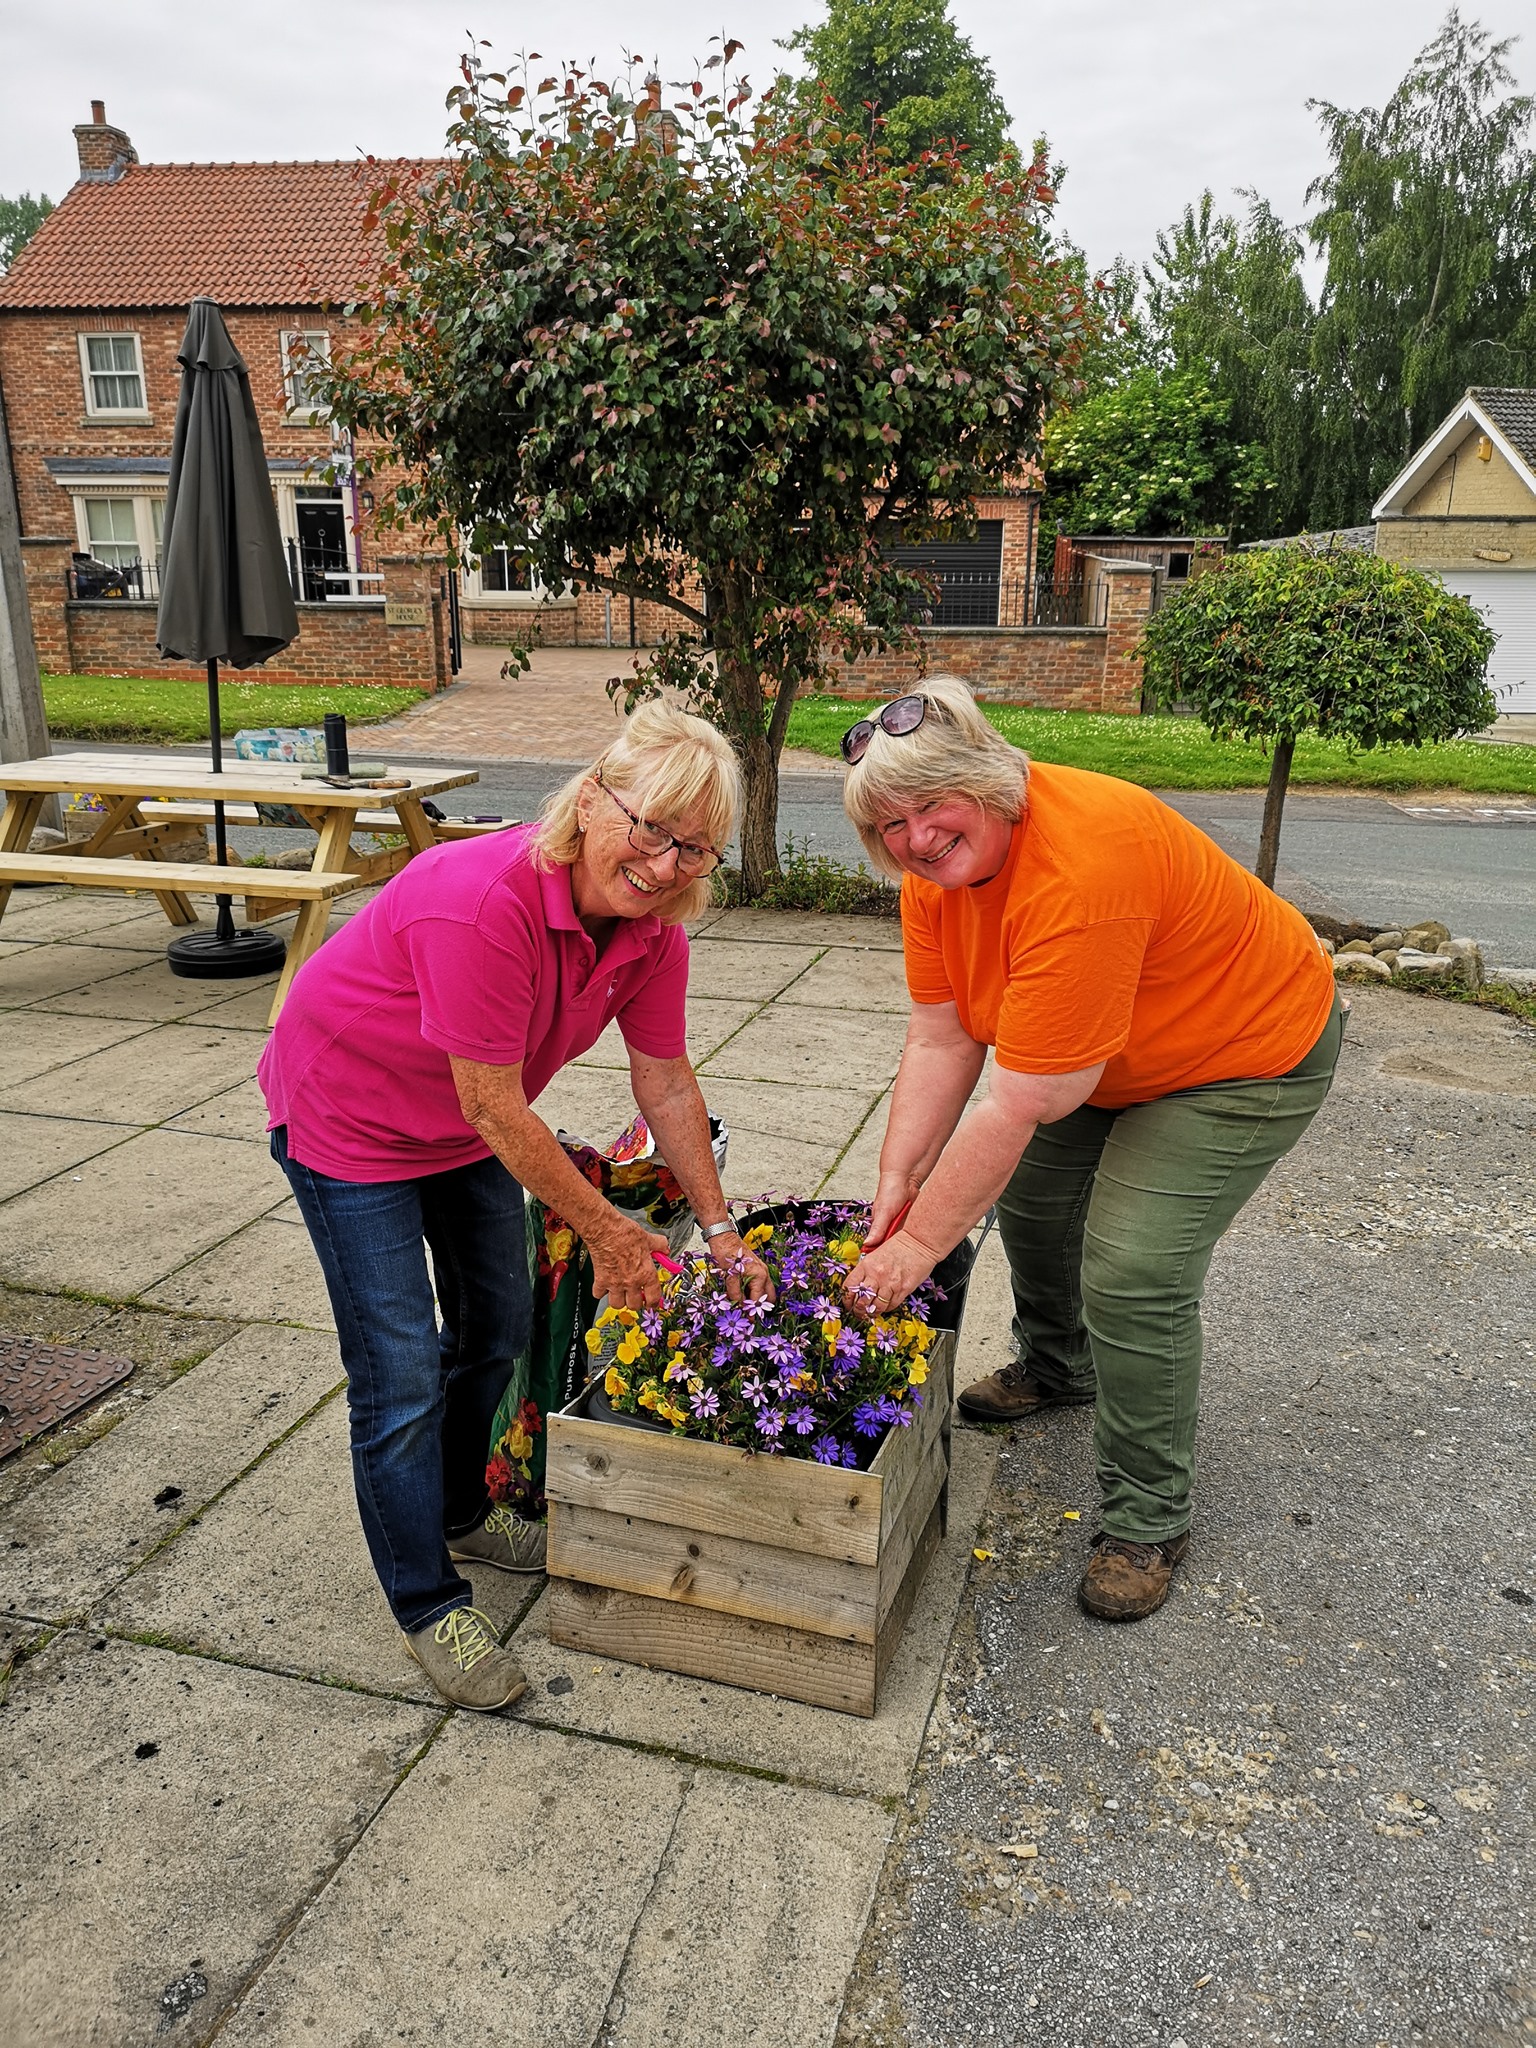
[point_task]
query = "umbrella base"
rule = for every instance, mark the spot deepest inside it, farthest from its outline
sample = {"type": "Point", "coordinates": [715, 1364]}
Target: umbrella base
{"type": "Point", "coordinates": [206, 956]}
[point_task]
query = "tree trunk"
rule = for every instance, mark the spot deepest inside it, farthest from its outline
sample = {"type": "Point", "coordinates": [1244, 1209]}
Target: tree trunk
{"type": "Point", "coordinates": [760, 816]}
{"type": "Point", "coordinates": [1274, 806]}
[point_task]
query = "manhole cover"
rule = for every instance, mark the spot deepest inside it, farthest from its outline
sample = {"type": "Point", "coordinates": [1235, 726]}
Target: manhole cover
{"type": "Point", "coordinates": [42, 1383]}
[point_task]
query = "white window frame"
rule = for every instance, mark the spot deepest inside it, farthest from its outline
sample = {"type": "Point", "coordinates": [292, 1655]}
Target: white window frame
{"type": "Point", "coordinates": [93, 411]}
{"type": "Point", "coordinates": [143, 514]}
{"type": "Point", "coordinates": [317, 341]}
{"type": "Point", "coordinates": [471, 591]}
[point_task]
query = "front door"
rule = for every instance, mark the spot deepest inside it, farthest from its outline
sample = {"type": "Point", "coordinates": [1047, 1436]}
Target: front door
{"type": "Point", "coordinates": [322, 527]}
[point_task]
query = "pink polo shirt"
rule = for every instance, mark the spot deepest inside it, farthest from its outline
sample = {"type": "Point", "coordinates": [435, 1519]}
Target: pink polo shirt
{"type": "Point", "coordinates": [470, 950]}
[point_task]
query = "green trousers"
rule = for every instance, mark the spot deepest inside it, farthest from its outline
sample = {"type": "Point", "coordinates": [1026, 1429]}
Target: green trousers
{"type": "Point", "coordinates": [1109, 1223]}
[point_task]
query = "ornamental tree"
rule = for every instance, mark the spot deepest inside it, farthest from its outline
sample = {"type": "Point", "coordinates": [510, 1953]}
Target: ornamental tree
{"type": "Point", "coordinates": [712, 356]}
{"type": "Point", "coordinates": [1278, 642]}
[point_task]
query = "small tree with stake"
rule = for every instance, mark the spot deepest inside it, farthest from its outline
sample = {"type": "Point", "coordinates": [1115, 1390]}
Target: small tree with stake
{"type": "Point", "coordinates": [1280, 642]}
{"type": "Point", "coordinates": [700, 349]}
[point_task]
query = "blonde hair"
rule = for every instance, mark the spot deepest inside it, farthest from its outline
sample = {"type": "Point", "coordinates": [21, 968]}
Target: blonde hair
{"type": "Point", "coordinates": [675, 766]}
{"type": "Point", "coordinates": [954, 752]}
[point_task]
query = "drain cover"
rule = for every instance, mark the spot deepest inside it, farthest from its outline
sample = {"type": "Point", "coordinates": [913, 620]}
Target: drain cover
{"type": "Point", "coordinates": [42, 1383]}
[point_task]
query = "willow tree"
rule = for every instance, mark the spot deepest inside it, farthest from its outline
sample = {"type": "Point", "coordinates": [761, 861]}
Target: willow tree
{"type": "Point", "coordinates": [710, 356]}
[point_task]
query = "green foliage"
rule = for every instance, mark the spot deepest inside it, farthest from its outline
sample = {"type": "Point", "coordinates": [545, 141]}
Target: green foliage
{"type": "Point", "coordinates": [1152, 454]}
{"type": "Point", "coordinates": [1284, 641]}
{"type": "Point", "coordinates": [1226, 304]}
{"type": "Point", "coordinates": [905, 64]}
{"type": "Point", "coordinates": [666, 351]}
{"type": "Point", "coordinates": [20, 219]}
{"type": "Point", "coordinates": [1165, 752]}
{"type": "Point", "coordinates": [136, 708]}
{"type": "Point", "coordinates": [814, 881]}
{"type": "Point", "coordinates": [1427, 222]}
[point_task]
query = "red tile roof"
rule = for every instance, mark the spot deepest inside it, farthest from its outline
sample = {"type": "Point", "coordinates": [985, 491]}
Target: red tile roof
{"type": "Point", "coordinates": [246, 234]}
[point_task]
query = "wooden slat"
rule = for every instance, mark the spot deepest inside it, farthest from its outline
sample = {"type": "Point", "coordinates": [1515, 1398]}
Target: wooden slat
{"type": "Point", "coordinates": [790, 1502]}
{"type": "Point", "coordinates": [251, 781]}
{"type": "Point", "coordinates": [900, 1545]}
{"type": "Point", "coordinates": [905, 1452]}
{"type": "Point", "coordinates": [193, 878]}
{"type": "Point", "coordinates": [895, 1618]}
{"type": "Point", "coordinates": [730, 1648]}
{"type": "Point", "coordinates": [365, 821]}
{"type": "Point", "coordinates": [821, 1595]}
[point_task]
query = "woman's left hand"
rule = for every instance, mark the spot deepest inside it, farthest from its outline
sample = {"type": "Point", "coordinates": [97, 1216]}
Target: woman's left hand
{"type": "Point", "coordinates": [738, 1264]}
{"type": "Point", "coordinates": [884, 1277]}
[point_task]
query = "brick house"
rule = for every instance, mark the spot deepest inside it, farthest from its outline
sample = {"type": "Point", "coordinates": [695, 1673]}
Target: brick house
{"type": "Point", "coordinates": [91, 316]}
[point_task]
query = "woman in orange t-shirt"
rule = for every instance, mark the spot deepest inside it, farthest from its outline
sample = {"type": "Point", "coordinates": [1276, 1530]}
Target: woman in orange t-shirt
{"type": "Point", "coordinates": [1165, 1027]}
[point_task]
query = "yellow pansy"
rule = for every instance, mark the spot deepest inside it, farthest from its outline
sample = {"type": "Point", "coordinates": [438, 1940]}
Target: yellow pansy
{"type": "Point", "coordinates": [757, 1235]}
{"type": "Point", "coordinates": [614, 1383]}
{"type": "Point", "coordinates": [630, 1347]}
{"type": "Point", "coordinates": [628, 1318]}
{"type": "Point", "coordinates": [609, 1315]}
{"type": "Point", "coordinates": [917, 1372]}
{"type": "Point", "coordinates": [846, 1250]}
{"type": "Point", "coordinates": [674, 1340]}
{"type": "Point", "coordinates": [594, 1341]}
{"type": "Point", "coordinates": [649, 1395]}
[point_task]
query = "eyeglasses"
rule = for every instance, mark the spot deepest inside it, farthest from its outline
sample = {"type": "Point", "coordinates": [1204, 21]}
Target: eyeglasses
{"type": "Point", "coordinates": [901, 716]}
{"type": "Point", "coordinates": [654, 843]}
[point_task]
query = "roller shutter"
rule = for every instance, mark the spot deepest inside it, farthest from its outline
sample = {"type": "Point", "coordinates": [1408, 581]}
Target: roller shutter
{"type": "Point", "coordinates": [1507, 600]}
{"type": "Point", "coordinates": [970, 572]}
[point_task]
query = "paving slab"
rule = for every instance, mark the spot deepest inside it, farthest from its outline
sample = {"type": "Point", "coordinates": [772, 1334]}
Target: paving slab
{"type": "Point", "coordinates": [240, 1112]}
{"type": "Point", "coordinates": [266, 1273]}
{"type": "Point", "coordinates": [856, 1173]}
{"type": "Point", "coordinates": [779, 1110]}
{"type": "Point", "coordinates": [12, 948]}
{"type": "Point", "coordinates": [34, 974]}
{"type": "Point", "coordinates": [117, 1223]}
{"type": "Point", "coordinates": [32, 1043]}
{"type": "Point", "coordinates": [590, 1103]}
{"type": "Point", "coordinates": [35, 1148]}
{"type": "Point", "coordinates": [163, 1820]}
{"type": "Point", "coordinates": [145, 931]}
{"type": "Point", "coordinates": [148, 989]}
{"type": "Point", "coordinates": [810, 928]}
{"type": "Point", "coordinates": [723, 1724]}
{"type": "Point", "coordinates": [861, 981]}
{"type": "Point", "coordinates": [755, 1920]}
{"type": "Point", "coordinates": [275, 1574]}
{"type": "Point", "coordinates": [744, 973]}
{"type": "Point", "coordinates": [758, 1164]}
{"type": "Point", "coordinates": [814, 1048]}
{"type": "Point", "coordinates": [491, 1901]}
{"type": "Point", "coordinates": [247, 1011]}
{"type": "Point", "coordinates": [710, 1024]}
{"type": "Point", "coordinates": [69, 913]}
{"type": "Point", "coordinates": [88, 1525]}
{"type": "Point", "coordinates": [160, 1071]}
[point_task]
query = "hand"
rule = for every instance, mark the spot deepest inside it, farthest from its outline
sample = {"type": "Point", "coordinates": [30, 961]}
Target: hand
{"type": "Point", "coordinates": [883, 1278]}
{"type": "Point", "coordinates": [893, 1194]}
{"type": "Point", "coordinates": [738, 1264]}
{"type": "Point", "coordinates": [624, 1266]}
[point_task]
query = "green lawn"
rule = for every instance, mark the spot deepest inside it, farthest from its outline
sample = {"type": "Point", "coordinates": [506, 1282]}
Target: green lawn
{"type": "Point", "coordinates": [1178, 753]}
{"type": "Point", "coordinates": [143, 708]}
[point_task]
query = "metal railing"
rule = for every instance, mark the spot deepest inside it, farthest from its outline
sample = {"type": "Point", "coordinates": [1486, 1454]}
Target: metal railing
{"type": "Point", "coordinates": [970, 599]}
{"type": "Point", "coordinates": [128, 582]}
{"type": "Point", "coordinates": [313, 579]}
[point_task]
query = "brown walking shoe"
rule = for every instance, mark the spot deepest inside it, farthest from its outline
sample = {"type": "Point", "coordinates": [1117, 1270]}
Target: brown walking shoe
{"type": "Point", "coordinates": [1128, 1581]}
{"type": "Point", "coordinates": [1012, 1392]}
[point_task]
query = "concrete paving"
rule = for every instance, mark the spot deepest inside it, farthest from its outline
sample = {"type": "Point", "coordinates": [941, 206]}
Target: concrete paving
{"type": "Point", "coordinates": [1294, 1806]}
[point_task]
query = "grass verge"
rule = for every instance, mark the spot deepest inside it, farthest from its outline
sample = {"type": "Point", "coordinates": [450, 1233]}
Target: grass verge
{"type": "Point", "coordinates": [146, 708]}
{"type": "Point", "coordinates": [1178, 753]}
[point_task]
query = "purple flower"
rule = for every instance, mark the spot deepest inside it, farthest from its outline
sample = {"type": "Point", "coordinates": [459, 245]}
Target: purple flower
{"type": "Point", "coordinates": [849, 1347]}
{"type": "Point", "coordinates": [826, 1450]}
{"type": "Point", "coordinates": [720, 1357]}
{"type": "Point", "coordinates": [752, 1390]}
{"type": "Point", "coordinates": [770, 1424]}
{"type": "Point", "coordinates": [679, 1369]}
{"type": "Point", "coordinates": [650, 1322]}
{"type": "Point", "coordinates": [704, 1401]}
{"type": "Point", "coordinates": [867, 1418]}
{"type": "Point", "coordinates": [802, 1419]}
{"type": "Point", "coordinates": [850, 1455]}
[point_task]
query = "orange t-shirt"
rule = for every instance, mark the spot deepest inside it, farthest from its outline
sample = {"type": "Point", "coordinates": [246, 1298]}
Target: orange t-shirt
{"type": "Point", "coordinates": [1118, 932]}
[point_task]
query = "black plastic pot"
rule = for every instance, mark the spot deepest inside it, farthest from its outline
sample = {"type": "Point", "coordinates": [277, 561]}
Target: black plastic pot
{"type": "Point", "coordinates": [601, 1409]}
{"type": "Point", "coordinates": [952, 1273]}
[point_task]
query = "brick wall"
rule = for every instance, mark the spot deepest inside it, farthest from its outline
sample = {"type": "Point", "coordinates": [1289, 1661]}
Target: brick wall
{"type": "Point", "coordinates": [545, 625]}
{"type": "Point", "coordinates": [1458, 543]}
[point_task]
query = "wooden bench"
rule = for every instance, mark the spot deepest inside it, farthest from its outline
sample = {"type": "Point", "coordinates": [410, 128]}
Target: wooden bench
{"type": "Point", "coordinates": [364, 821]}
{"type": "Point", "coordinates": [172, 882]}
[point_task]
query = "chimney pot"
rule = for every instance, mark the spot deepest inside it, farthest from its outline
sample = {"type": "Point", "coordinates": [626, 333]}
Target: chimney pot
{"type": "Point", "coordinates": [104, 151]}
{"type": "Point", "coordinates": [98, 113]}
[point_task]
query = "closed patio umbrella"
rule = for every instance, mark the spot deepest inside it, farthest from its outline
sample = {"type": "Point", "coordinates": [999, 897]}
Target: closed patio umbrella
{"type": "Point", "coordinates": [224, 593]}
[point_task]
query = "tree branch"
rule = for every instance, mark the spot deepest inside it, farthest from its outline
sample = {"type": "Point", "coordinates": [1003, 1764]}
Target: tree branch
{"type": "Point", "coordinates": [676, 604]}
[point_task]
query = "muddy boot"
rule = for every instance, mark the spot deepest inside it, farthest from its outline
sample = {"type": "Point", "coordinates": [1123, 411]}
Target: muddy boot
{"type": "Point", "coordinates": [1013, 1392]}
{"type": "Point", "coordinates": [1128, 1581]}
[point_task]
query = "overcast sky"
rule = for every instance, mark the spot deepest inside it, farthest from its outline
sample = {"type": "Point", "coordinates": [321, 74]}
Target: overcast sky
{"type": "Point", "coordinates": [1145, 105]}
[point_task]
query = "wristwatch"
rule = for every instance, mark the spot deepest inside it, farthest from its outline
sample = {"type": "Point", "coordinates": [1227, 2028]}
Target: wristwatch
{"type": "Point", "coordinates": [709, 1230]}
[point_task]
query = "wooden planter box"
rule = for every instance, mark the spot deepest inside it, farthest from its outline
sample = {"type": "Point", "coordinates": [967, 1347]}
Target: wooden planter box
{"type": "Point", "coordinates": [775, 1573]}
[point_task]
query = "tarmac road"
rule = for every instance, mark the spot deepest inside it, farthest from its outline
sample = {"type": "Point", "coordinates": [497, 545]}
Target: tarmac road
{"type": "Point", "coordinates": [1472, 866]}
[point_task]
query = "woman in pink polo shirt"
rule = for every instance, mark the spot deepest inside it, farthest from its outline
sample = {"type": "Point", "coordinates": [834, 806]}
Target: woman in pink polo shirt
{"type": "Point", "coordinates": [400, 1081]}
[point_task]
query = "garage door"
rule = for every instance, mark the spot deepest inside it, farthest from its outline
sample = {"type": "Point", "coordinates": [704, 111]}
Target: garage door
{"type": "Point", "coordinates": [1508, 602]}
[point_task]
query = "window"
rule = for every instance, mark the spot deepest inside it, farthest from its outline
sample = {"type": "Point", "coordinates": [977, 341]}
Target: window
{"type": "Point", "coordinates": [113, 372]}
{"type": "Point", "coordinates": [302, 353]}
{"type": "Point", "coordinates": [503, 572]}
{"type": "Point", "coordinates": [112, 533]}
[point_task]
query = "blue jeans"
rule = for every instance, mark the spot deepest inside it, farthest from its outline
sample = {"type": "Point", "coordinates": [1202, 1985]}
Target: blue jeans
{"type": "Point", "coordinates": [422, 1398]}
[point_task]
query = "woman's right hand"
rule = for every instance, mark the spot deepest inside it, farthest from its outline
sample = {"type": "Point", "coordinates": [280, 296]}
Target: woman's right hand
{"type": "Point", "coordinates": [892, 1195]}
{"type": "Point", "coordinates": [624, 1265]}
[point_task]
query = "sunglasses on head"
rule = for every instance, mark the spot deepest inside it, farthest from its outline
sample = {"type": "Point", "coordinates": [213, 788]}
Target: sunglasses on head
{"type": "Point", "coordinates": [901, 716]}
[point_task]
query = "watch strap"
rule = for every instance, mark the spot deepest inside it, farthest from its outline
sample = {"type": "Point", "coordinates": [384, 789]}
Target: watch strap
{"type": "Point", "coordinates": [709, 1230]}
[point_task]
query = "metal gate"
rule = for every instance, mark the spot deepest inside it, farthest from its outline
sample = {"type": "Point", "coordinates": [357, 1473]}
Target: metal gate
{"type": "Point", "coordinates": [455, 625]}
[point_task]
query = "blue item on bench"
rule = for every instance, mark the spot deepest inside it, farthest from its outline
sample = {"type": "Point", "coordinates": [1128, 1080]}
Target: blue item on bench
{"type": "Point", "coordinates": [280, 743]}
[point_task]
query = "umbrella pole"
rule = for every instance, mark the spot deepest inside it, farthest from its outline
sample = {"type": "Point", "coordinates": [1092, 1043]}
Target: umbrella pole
{"type": "Point", "coordinates": [225, 925]}
{"type": "Point", "coordinates": [223, 952]}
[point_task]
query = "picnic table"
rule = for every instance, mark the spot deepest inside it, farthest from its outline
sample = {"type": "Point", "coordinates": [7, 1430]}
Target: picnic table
{"type": "Point", "coordinates": [150, 799]}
